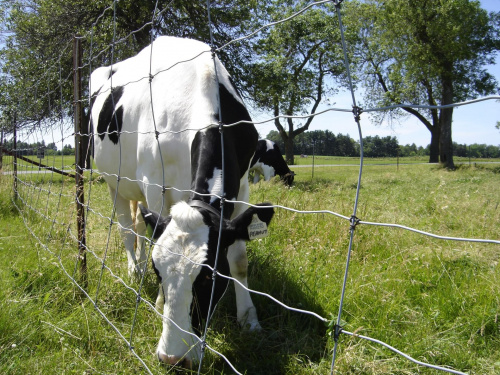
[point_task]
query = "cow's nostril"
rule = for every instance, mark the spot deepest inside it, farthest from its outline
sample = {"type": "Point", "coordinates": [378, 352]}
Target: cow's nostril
{"type": "Point", "coordinates": [173, 360]}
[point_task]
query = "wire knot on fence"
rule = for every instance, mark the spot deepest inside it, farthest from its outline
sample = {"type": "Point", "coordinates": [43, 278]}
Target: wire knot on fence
{"type": "Point", "coordinates": [357, 111]}
{"type": "Point", "coordinates": [354, 221]}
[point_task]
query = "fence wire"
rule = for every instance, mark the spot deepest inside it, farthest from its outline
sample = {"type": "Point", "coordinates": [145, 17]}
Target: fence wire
{"type": "Point", "coordinates": [47, 204]}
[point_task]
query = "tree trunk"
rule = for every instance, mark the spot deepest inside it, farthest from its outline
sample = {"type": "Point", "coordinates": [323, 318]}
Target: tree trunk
{"type": "Point", "coordinates": [286, 137]}
{"type": "Point", "coordinates": [434, 146]}
{"type": "Point", "coordinates": [1, 150]}
{"type": "Point", "coordinates": [289, 151]}
{"type": "Point", "coordinates": [445, 140]}
{"type": "Point", "coordinates": [445, 120]}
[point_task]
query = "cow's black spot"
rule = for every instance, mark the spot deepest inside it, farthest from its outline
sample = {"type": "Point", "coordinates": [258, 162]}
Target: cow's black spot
{"type": "Point", "coordinates": [111, 117]}
{"type": "Point", "coordinates": [111, 72]}
{"type": "Point", "coordinates": [202, 287]}
{"type": "Point", "coordinates": [115, 126]}
{"type": "Point", "coordinates": [157, 272]}
{"type": "Point", "coordinates": [242, 138]}
{"type": "Point", "coordinates": [93, 98]}
{"type": "Point", "coordinates": [231, 108]}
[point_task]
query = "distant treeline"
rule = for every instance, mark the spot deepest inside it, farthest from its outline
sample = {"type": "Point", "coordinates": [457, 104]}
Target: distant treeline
{"type": "Point", "coordinates": [324, 142]}
{"type": "Point", "coordinates": [318, 142]}
{"type": "Point", "coordinates": [29, 149]}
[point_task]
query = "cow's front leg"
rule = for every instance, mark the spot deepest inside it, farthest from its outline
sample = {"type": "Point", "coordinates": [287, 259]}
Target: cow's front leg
{"type": "Point", "coordinates": [126, 230]}
{"type": "Point", "coordinates": [256, 176]}
{"type": "Point", "coordinates": [238, 265]}
{"type": "Point", "coordinates": [142, 248]}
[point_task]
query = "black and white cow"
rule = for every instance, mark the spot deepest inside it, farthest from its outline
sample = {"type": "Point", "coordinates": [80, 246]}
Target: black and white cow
{"type": "Point", "coordinates": [268, 161]}
{"type": "Point", "coordinates": [155, 130]}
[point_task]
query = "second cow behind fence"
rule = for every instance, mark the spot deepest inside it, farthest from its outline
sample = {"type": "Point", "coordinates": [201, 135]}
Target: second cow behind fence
{"type": "Point", "coordinates": [268, 162]}
{"type": "Point", "coordinates": [156, 140]}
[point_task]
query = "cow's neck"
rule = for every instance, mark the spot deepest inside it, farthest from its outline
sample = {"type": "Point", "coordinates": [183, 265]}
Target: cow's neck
{"type": "Point", "coordinates": [282, 170]}
{"type": "Point", "coordinates": [207, 181]}
{"type": "Point", "coordinates": [240, 142]}
{"type": "Point", "coordinates": [204, 205]}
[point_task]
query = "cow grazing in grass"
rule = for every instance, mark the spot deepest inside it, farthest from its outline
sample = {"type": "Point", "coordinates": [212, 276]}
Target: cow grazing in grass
{"type": "Point", "coordinates": [154, 130]}
{"type": "Point", "coordinates": [268, 162]}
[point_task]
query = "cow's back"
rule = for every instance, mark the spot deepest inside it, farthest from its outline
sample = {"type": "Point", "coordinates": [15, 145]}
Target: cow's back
{"type": "Point", "coordinates": [180, 100]}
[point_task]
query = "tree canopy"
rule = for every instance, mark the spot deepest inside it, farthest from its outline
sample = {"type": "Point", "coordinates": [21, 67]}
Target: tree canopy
{"type": "Point", "coordinates": [430, 52]}
{"type": "Point", "coordinates": [319, 142]}
{"type": "Point", "coordinates": [298, 65]}
{"type": "Point", "coordinates": [36, 60]}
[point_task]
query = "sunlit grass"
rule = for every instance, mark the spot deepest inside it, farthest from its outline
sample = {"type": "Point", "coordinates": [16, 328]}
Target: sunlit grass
{"type": "Point", "coordinates": [435, 300]}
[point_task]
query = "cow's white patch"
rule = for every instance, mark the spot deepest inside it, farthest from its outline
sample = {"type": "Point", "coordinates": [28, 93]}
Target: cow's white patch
{"type": "Point", "coordinates": [187, 218]}
{"type": "Point", "coordinates": [270, 145]}
{"type": "Point", "coordinates": [263, 169]}
{"type": "Point", "coordinates": [215, 184]}
{"type": "Point", "coordinates": [178, 256]}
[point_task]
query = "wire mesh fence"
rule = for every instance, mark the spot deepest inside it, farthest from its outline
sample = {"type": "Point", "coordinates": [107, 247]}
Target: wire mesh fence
{"type": "Point", "coordinates": [49, 206]}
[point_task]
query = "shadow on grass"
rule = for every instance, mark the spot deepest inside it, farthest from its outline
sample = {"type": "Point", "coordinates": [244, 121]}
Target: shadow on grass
{"type": "Point", "coordinates": [288, 340]}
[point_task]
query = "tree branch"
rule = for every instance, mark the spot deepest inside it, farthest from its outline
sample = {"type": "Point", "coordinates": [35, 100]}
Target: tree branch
{"type": "Point", "coordinates": [410, 110]}
{"type": "Point", "coordinates": [318, 98]}
{"type": "Point", "coordinates": [277, 122]}
{"type": "Point", "coordinates": [296, 73]}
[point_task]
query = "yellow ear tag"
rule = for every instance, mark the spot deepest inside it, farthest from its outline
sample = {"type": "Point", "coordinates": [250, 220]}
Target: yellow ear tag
{"type": "Point", "coordinates": [257, 228]}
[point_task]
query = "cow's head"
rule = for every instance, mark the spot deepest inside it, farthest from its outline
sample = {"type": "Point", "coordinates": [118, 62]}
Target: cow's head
{"type": "Point", "coordinates": [288, 178]}
{"type": "Point", "coordinates": [185, 245]}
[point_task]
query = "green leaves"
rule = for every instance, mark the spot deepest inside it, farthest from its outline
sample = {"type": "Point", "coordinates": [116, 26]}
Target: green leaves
{"type": "Point", "coordinates": [426, 52]}
{"type": "Point", "coordinates": [299, 64]}
{"type": "Point", "coordinates": [420, 42]}
{"type": "Point", "coordinates": [36, 60]}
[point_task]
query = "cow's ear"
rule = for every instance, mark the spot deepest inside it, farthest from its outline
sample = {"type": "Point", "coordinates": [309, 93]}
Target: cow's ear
{"type": "Point", "coordinates": [155, 224]}
{"type": "Point", "coordinates": [252, 223]}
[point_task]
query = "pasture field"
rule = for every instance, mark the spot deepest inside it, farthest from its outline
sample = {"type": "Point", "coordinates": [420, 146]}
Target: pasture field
{"type": "Point", "coordinates": [65, 162]}
{"type": "Point", "coordinates": [340, 160]}
{"type": "Point", "coordinates": [436, 300]}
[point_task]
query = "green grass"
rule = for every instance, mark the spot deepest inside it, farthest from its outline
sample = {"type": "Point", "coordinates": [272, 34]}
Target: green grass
{"type": "Point", "coordinates": [339, 160]}
{"type": "Point", "coordinates": [65, 162]}
{"type": "Point", "coordinates": [436, 300]}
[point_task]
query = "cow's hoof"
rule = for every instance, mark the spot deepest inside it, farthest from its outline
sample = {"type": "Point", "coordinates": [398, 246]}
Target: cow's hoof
{"type": "Point", "coordinates": [135, 272]}
{"type": "Point", "coordinates": [173, 360]}
{"type": "Point", "coordinates": [253, 326]}
{"type": "Point", "coordinates": [249, 321]}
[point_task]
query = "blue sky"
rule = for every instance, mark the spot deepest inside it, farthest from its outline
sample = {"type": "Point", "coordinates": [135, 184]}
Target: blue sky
{"type": "Point", "coordinates": [474, 123]}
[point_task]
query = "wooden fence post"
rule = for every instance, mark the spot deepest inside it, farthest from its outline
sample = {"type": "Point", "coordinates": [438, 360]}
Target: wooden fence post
{"type": "Point", "coordinates": [14, 172]}
{"type": "Point", "coordinates": [80, 149]}
{"type": "Point", "coordinates": [1, 149]}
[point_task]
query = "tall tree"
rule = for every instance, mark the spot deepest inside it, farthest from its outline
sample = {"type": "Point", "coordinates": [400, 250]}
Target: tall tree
{"type": "Point", "coordinates": [430, 52]}
{"type": "Point", "coordinates": [36, 59]}
{"type": "Point", "coordinates": [296, 65]}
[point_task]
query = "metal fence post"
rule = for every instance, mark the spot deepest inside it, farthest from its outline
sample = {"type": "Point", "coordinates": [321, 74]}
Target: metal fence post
{"type": "Point", "coordinates": [80, 149]}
